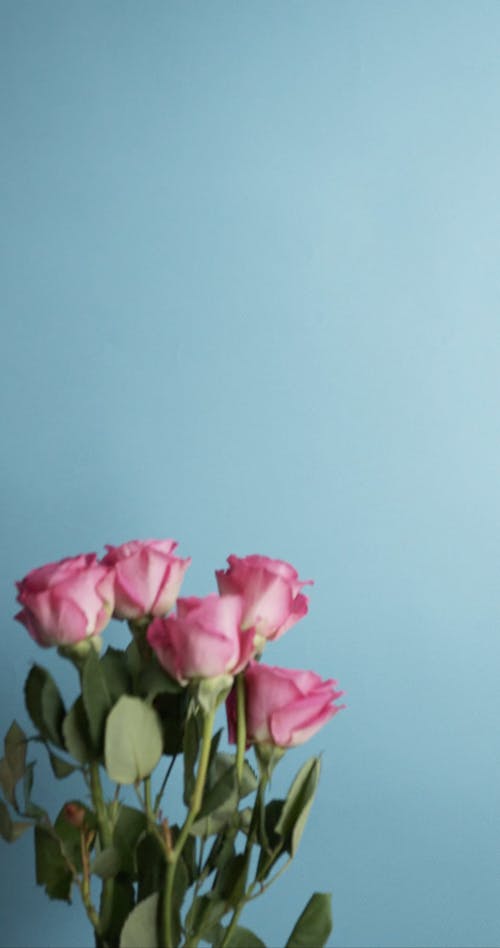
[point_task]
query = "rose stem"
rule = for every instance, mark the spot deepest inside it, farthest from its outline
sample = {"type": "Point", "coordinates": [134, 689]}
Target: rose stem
{"type": "Point", "coordinates": [194, 808]}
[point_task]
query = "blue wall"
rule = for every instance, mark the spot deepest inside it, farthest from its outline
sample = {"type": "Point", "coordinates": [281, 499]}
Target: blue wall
{"type": "Point", "coordinates": [250, 294]}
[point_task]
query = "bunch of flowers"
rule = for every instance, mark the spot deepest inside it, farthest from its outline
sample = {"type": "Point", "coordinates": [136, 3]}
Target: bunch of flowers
{"type": "Point", "coordinates": [164, 884]}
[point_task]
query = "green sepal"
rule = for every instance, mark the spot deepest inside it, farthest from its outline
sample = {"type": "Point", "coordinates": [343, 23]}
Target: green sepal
{"type": "Point", "coordinates": [141, 925]}
{"type": "Point", "coordinates": [314, 924]}
{"type": "Point", "coordinates": [44, 704]}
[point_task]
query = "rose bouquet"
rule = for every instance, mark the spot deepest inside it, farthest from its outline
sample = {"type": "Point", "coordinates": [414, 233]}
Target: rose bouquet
{"type": "Point", "coordinates": [164, 883]}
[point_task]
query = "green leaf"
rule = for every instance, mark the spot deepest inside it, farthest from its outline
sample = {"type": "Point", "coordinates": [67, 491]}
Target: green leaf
{"type": "Point", "coordinates": [297, 804]}
{"type": "Point", "coordinates": [10, 830]}
{"type": "Point", "coordinates": [150, 865]}
{"type": "Point", "coordinates": [244, 938]}
{"type": "Point", "coordinates": [171, 709]}
{"type": "Point", "coordinates": [140, 929]}
{"type": "Point", "coordinates": [133, 740]}
{"type": "Point", "coordinates": [51, 868]}
{"type": "Point", "coordinates": [116, 672]}
{"type": "Point", "coordinates": [5, 823]}
{"type": "Point", "coordinates": [122, 903]}
{"type": "Point", "coordinates": [314, 925]}
{"type": "Point", "coordinates": [76, 733]}
{"type": "Point", "coordinates": [7, 782]}
{"type": "Point", "coordinates": [129, 827]}
{"type": "Point", "coordinates": [223, 789]}
{"type": "Point", "coordinates": [272, 844]}
{"type": "Point", "coordinates": [107, 863]}
{"type": "Point", "coordinates": [153, 680]}
{"type": "Point", "coordinates": [44, 704]}
{"type": "Point", "coordinates": [15, 750]}
{"type": "Point", "coordinates": [203, 917]}
{"type": "Point", "coordinates": [60, 768]}
{"type": "Point", "coordinates": [231, 878]}
{"type": "Point", "coordinates": [30, 808]}
{"type": "Point", "coordinates": [97, 699]}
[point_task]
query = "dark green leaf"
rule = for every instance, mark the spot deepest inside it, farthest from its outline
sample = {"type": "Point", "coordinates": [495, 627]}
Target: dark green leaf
{"type": "Point", "coordinates": [271, 842]}
{"type": "Point", "coordinates": [116, 672]}
{"type": "Point", "coordinates": [19, 827]}
{"type": "Point", "coordinates": [150, 865]}
{"type": "Point", "coordinates": [7, 782]}
{"type": "Point", "coordinates": [133, 659]}
{"type": "Point", "coordinates": [140, 928]}
{"type": "Point", "coordinates": [123, 899]}
{"type": "Point", "coordinates": [107, 863]}
{"type": "Point", "coordinates": [171, 709]}
{"type": "Point", "coordinates": [5, 823]}
{"type": "Point", "coordinates": [203, 917]}
{"type": "Point", "coordinates": [97, 698]}
{"type": "Point", "coordinates": [314, 925]}
{"type": "Point", "coordinates": [220, 792]}
{"type": "Point", "coordinates": [133, 740]}
{"type": "Point", "coordinates": [15, 750]}
{"type": "Point", "coordinates": [129, 827]}
{"type": "Point", "coordinates": [51, 868]}
{"type": "Point", "coordinates": [297, 804]}
{"type": "Point", "coordinates": [231, 879]}
{"type": "Point", "coordinates": [44, 704]}
{"type": "Point", "coordinates": [60, 768]}
{"type": "Point", "coordinates": [31, 809]}
{"type": "Point", "coordinates": [244, 938]}
{"type": "Point", "coordinates": [76, 733]}
{"type": "Point", "coordinates": [153, 680]}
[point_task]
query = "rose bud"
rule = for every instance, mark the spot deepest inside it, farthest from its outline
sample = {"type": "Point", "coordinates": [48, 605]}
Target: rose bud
{"type": "Point", "coordinates": [75, 814]}
{"type": "Point", "coordinates": [147, 577]}
{"type": "Point", "coordinates": [66, 602]}
{"type": "Point", "coordinates": [283, 707]}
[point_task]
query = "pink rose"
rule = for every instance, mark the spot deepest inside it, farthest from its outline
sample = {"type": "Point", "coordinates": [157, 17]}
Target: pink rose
{"type": "Point", "coordinates": [203, 640]}
{"type": "Point", "coordinates": [147, 577]}
{"type": "Point", "coordinates": [283, 707]}
{"type": "Point", "coordinates": [67, 601]}
{"type": "Point", "coordinates": [271, 592]}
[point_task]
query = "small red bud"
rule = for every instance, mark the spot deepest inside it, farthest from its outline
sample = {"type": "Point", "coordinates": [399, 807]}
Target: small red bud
{"type": "Point", "coordinates": [75, 814]}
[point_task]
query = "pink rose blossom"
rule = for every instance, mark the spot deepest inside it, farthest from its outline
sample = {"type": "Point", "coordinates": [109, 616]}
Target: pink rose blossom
{"type": "Point", "coordinates": [147, 577]}
{"type": "Point", "coordinates": [271, 592]}
{"type": "Point", "coordinates": [67, 601]}
{"type": "Point", "coordinates": [204, 638]}
{"type": "Point", "coordinates": [283, 707]}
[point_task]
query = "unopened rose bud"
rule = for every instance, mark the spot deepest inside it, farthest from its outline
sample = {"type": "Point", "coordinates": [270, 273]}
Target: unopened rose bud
{"type": "Point", "coordinates": [75, 814]}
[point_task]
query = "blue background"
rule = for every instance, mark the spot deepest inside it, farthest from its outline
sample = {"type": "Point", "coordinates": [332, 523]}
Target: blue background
{"type": "Point", "coordinates": [250, 293]}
